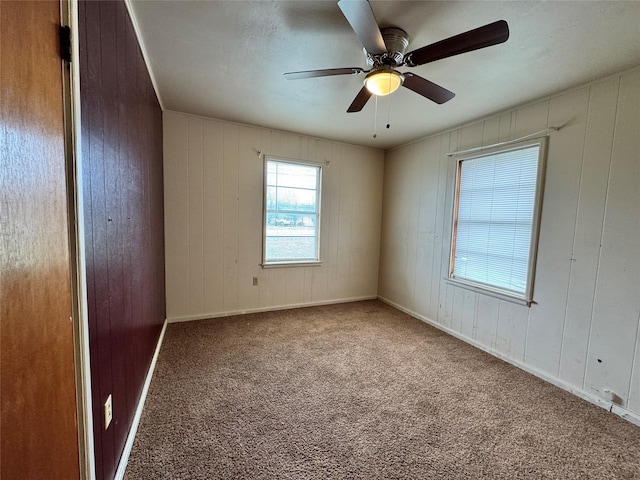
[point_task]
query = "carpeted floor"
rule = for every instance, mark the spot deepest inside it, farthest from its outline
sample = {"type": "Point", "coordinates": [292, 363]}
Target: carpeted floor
{"type": "Point", "coordinates": [361, 391]}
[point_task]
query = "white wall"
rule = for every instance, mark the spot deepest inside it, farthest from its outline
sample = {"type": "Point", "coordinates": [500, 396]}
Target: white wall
{"type": "Point", "coordinates": [583, 331]}
{"type": "Point", "coordinates": [213, 220]}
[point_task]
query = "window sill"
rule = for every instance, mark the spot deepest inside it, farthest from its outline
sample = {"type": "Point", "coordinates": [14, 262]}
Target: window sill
{"type": "Point", "coordinates": [291, 264]}
{"type": "Point", "coordinates": [488, 290]}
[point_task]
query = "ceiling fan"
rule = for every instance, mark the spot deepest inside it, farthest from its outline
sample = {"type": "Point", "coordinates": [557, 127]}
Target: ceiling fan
{"type": "Point", "coordinates": [385, 52]}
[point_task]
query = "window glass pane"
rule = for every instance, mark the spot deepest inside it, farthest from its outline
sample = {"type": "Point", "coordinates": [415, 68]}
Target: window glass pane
{"type": "Point", "coordinates": [291, 216]}
{"type": "Point", "coordinates": [290, 248]}
{"type": "Point", "coordinates": [271, 199]}
{"type": "Point", "coordinates": [298, 176]}
{"type": "Point", "coordinates": [296, 200]}
{"type": "Point", "coordinates": [289, 175]}
{"type": "Point", "coordinates": [496, 204]}
{"type": "Point", "coordinates": [301, 221]}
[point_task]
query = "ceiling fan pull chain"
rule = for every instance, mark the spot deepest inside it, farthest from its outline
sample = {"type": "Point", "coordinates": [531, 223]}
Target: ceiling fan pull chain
{"type": "Point", "coordinates": [388, 112]}
{"type": "Point", "coordinates": [388, 105]}
{"type": "Point", "coordinates": [375, 118]}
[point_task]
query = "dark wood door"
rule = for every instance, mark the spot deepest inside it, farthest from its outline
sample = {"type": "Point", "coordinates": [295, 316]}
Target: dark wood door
{"type": "Point", "coordinates": [38, 405]}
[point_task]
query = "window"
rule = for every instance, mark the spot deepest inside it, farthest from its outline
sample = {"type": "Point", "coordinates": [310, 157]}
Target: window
{"type": "Point", "coordinates": [496, 215]}
{"type": "Point", "coordinates": [291, 212]}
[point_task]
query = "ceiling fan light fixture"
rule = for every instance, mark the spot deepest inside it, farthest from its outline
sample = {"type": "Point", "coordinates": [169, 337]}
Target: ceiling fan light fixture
{"type": "Point", "coordinates": [383, 82]}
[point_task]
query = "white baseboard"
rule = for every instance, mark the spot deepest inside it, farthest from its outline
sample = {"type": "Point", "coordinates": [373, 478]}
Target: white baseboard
{"type": "Point", "coordinates": [229, 313]}
{"type": "Point", "coordinates": [558, 382]}
{"type": "Point", "coordinates": [124, 459]}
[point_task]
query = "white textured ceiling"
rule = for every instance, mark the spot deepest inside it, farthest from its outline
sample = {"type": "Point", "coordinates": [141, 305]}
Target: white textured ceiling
{"type": "Point", "coordinates": [225, 59]}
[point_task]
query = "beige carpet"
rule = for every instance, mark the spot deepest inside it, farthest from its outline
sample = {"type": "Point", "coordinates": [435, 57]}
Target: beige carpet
{"type": "Point", "coordinates": [361, 391]}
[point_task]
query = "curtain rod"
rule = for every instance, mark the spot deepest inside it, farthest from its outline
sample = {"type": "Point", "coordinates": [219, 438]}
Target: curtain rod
{"type": "Point", "coordinates": [546, 131]}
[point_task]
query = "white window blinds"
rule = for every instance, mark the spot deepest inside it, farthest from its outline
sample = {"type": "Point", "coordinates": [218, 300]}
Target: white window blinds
{"type": "Point", "coordinates": [494, 222]}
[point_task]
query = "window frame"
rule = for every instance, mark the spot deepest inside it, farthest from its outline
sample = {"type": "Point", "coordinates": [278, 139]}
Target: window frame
{"type": "Point", "coordinates": [525, 298]}
{"type": "Point", "coordinates": [291, 263]}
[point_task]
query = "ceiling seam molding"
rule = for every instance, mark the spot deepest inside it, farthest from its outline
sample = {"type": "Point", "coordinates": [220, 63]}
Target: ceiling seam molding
{"type": "Point", "coordinates": [145, 55]}
{"type": "Point", "coordinates": [292, 132]}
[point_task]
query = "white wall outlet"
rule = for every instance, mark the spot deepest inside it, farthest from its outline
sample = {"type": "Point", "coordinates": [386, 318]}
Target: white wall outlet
{"type": "Point", "coordinates": [255, 281]}
{"type": "Point", "coordinates": [108, 412]}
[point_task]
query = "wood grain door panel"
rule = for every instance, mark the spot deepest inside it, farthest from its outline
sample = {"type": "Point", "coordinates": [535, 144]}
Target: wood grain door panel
{"type": "Point", "coordinates": [38, 403]}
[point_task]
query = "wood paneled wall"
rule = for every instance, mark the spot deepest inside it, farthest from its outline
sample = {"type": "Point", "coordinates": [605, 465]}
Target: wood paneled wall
{"type": "Point", "coordinates": [38, 404]}
{"type": "Point", "coordinates": [583, 330]}
{"type": "Point", "coordinates": [213, 218]}
{"type": "Point", "coordinates": [123, 208]}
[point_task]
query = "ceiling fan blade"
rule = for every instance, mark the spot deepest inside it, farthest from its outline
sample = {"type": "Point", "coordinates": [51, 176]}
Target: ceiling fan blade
{"type": "Point", "coordinates": [427, 89]}
{"type": "Point", "coordinates": [360, 101]}
{"type": "Point", "coordinates": [323, 73]}
{"type": "Point", "coordinates": [360, 16]}
{"type": "Point", "coordinates": [491, 34]}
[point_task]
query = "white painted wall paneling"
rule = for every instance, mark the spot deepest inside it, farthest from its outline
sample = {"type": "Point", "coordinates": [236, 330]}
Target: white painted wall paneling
{"type": "Point", "coordinates": [613, 342]}
{"type": "Point", "coordinates": [594, 175]}
{"type": "Point", "coordinates": [582, 332]}
{"type": "Point", "coordinates": [213, 220]}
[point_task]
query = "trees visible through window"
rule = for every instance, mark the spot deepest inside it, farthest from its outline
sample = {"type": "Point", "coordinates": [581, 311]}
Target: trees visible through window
{"type": "Point", "coordinates": [496, 215]}
{"type": "Point", "coordinates": [291, 217]}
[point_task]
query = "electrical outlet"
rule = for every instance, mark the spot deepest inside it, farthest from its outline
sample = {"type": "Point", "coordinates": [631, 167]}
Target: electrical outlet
{"type": "Point", "coordinates": [108, 412]}
{"type": "Point", "coordinates": [255, 281]}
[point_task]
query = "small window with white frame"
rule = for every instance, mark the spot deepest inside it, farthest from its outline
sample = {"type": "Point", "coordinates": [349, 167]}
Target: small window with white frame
{"type": "Point", "coordinates": [291, 225]}
{"type": "Point", "coordinates": [496, 216]}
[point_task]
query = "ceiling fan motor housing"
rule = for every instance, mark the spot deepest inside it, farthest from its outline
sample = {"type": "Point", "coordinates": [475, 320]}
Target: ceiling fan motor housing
{"type": "Point", "coordinates": [384, 51]}
{"type": "Point", "coordinates": [396, 40]}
